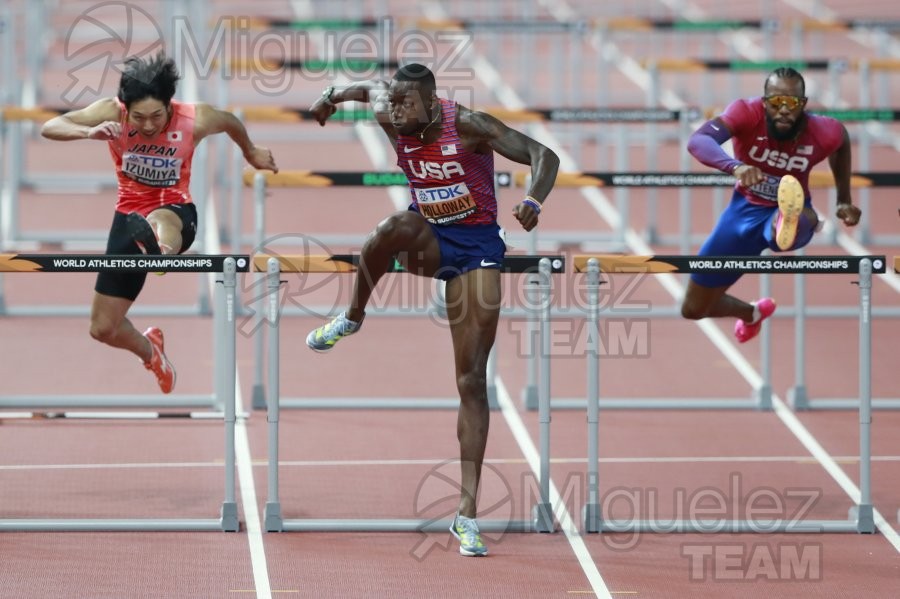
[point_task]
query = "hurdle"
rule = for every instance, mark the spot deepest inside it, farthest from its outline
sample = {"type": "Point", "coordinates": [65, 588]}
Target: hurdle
{"type": "Point", "coordinates": [193, 263]}
{"type": "Point", "coordinates": [861, 515]}
{"type": "Point", "coordinates": [227, 267]}
{"type": "Point", "coordinates": [347, 264]}
{"type": "Point", "coordinates": [542, 514]}
{"type": "Point", "coordinates": [798, 396]}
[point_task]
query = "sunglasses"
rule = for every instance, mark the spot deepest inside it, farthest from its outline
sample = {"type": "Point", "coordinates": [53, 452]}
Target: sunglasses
{"type": "Point", "coordinates": [776, 102]}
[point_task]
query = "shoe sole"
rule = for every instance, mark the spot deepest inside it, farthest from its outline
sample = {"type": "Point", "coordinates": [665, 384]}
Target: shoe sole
{"type": "Point", "coordinates": [174, 375]}
{"type": "Point", "coordinates": [142, 233]}
{"type": "Point", "coordinates": [165, 359]}
{"type": "Point", "coordinates": [319, 351]}
{"type": "Point", "coordinates": [790, 205]}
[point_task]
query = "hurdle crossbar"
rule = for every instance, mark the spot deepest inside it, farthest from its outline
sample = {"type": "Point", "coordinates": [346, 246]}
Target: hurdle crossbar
{"type": "Point", "coordinates": [542, 514]}
{"type": "Point", "coordinates": [226, 304]}
{"type": "Point", "coordinates": [861, 515]}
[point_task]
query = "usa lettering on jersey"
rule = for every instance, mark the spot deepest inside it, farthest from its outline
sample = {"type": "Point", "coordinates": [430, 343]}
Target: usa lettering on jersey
{"type": "Point", "coordinates": [435, 170]}
{"type": "Point", "coordinates": [778, 159]}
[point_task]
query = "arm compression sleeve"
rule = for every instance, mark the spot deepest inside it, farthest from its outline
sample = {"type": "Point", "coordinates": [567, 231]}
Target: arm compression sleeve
{"type": "Point", "coordinates": [706, 146]}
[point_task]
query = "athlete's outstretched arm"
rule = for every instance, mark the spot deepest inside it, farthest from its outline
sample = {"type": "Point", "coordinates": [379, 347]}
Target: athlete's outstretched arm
{"type": "Point", "coordinates": [371, 92]}
{"type": "Point", "coordinates": [99, 120]}
{"type": "Point", "coordinates": [705, 144]}
{"type": "Point", "coordinates": [210, 121]}
{"type": "Point", "coordinates": [493, 135]}
{"type": "Point", "coordinates": [840, 163]}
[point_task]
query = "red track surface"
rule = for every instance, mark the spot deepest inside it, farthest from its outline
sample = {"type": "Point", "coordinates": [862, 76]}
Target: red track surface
{"type": "Point", "coordinates": [388, 464]}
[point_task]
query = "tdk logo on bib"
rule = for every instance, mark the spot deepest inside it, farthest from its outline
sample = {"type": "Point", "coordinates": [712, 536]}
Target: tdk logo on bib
{"type": "Point", "coordinates": [436, 194]}
{"type": "Point", "coordinates": [155, 171]}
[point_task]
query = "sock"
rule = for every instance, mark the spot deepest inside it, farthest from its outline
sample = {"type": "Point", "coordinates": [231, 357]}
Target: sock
{"type": "Point", "coordinates": [756, 314]}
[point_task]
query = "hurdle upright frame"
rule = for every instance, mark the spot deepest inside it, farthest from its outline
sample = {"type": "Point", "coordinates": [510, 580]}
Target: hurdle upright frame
{"type": "Point", "coordinates": [861, 515]}
{"type": "Point", "coordinates": [542, 519]}
{"type": "Point", "coordinates": [226, 303]}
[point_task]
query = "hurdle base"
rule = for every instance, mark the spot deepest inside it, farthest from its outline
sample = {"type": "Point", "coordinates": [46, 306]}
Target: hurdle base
{"type": "Point", "coordinates": [229, 520]}
{"type": "Point", "coordinates": [370, 403]}
{"type": "Point", "coordinates": [542, 518]}
{"type": "Point", "coordinates": [591, 518]}
{"type": "Point", "coordinates": [108, 525]}
{"type": "Point", "coordinates": [272, 517]}
{"type": "Point", "coordinates": [797, 398]}
{"type": "Point", "coordinates": [108, 401]}
{"type": "Point", "coordinates": [852, 404]}
{"type": "Point", "coordinates": [763, 398]}
{"type": "Point", "coordinates": [400, 525]}
{"type": "Point", "coordinates": [493, 404]}
{"type": "Point", "coordinates": [864, 514]}
{"type": "Point", "coordinates": [530, 397]}
{"type": "Point", "coordinates": [729, 526]}
{"type": "Point", "coordinates": [658, 403]}
{"type": "Point", "coordinates": [258, 395]}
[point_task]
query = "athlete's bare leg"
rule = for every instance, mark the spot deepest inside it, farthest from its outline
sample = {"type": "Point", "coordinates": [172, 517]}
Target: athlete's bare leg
{"type": "Point", "coordinates": [406, 235]}
{"type": "Point", "coordinates": [712, 302]}
{"type": "Point", "coordinates": [473, 309]}
{"type": "Point", "coordinates": [109, 325]}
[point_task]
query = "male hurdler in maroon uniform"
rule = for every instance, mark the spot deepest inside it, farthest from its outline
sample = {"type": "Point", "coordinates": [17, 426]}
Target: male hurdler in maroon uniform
{"type": "Point", "coordinates": [773, 137]}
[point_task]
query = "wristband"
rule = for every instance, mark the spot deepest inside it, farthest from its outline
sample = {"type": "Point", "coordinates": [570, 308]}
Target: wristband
{"type": "Point", "coordinates": [326, 95]}
{"type": "Point", "coordinates": [533, 203]}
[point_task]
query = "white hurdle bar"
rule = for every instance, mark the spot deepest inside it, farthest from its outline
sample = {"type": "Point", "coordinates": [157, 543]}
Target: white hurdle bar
{"type": "Point", "coordinates": [225, 308]}
{"type": "Point", "coordinates": [861, 515]}
{"type": "Point", "coordinates": [541, 514]}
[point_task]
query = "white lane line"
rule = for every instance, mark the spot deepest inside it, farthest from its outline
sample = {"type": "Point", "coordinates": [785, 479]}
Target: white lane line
{"type": "Point", "coordinates": [566, 523]}
{"type": "Point", "coordinates": [243, 456]}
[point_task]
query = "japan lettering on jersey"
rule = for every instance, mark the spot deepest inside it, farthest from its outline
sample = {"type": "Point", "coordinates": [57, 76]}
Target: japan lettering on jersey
{"type": "Point", "coordinates": [448, 184]}
{"type": "Point", "coordinates": [817, 140]}
{"type": "Point", "coordinates": [154, 172]}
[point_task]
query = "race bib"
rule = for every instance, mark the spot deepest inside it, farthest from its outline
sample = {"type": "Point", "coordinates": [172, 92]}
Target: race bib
{"type": "Point", "coordinates": [767, 189]}
{"type": "Point", "coordinates": [447, 204]}
{"type": "Point", "coordinates": [155, 171]}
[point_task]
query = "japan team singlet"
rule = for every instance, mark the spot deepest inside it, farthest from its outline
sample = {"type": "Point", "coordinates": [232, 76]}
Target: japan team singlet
{"type": "Point", "coordinates": [154, 172]}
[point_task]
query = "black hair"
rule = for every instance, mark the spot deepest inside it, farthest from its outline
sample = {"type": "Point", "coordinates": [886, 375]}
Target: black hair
{"type": "Point", "coordinates": [786, 73]}
{"type": "Point", "coordinates": [155, 78]}
{"type": "Point", "coordinates": [417, 73]}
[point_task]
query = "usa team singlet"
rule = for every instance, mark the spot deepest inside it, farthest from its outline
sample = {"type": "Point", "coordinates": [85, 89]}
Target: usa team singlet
{"type": "Point", "coordinates": [819, 138]}
{"type": "Point", "coordinates": [154, 172]}
{"type": "Point", "coordinates": [449, 184]}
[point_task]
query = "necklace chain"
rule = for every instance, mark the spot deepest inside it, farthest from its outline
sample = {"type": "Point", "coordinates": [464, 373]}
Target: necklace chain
{"type": "Point", "coordinates": [421, 134]}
